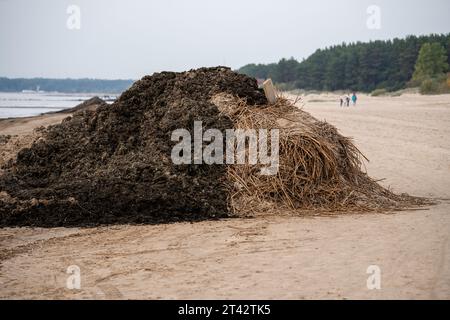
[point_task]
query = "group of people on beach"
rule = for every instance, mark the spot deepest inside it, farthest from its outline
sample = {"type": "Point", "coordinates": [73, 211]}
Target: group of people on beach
{"type": "Point", "coordinates": [345, 100]}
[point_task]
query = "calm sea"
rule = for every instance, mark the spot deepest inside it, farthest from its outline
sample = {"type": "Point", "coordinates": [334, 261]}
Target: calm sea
{"type": "Point", "coordinates": [35, 103]}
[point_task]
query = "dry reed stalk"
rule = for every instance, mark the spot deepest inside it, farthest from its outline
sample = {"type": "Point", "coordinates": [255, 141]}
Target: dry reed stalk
{"type": "Point", "coordinates": [319, 169]}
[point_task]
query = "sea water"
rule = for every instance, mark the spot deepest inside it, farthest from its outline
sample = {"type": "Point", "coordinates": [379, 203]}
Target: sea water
{"type": "Point", "coordinates": [25, 104]}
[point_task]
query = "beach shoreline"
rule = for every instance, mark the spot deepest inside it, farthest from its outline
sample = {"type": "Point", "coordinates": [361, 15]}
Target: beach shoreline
{"type": "Point", "coordinates": [267, 257]}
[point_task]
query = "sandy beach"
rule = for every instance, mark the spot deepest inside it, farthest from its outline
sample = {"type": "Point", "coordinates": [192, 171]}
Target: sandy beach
{"type": "Point", "coordinates": [407, 141]}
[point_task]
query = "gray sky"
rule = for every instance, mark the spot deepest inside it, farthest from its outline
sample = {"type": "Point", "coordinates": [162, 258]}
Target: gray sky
{"type": "Point", "coordinates": [131, 38]}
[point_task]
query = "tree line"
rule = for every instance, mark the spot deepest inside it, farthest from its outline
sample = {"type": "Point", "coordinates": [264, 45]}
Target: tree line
{"type": "Point", "coordinates": [64, 85]}
{"type": "Point", "coordinates": [388, 65]}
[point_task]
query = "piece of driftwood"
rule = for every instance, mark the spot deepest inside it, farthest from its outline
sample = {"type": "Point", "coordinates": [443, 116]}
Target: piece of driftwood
{"type": "Point", "coordinates": [269, 91]}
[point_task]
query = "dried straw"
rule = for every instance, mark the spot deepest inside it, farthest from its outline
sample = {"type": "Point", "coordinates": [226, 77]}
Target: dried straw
{"type": "Point", "coordinates": [320, 170]}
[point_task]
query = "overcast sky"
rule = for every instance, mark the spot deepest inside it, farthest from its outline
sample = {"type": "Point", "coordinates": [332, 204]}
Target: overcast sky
{"type": "Point", "coordinates": [131, 38]}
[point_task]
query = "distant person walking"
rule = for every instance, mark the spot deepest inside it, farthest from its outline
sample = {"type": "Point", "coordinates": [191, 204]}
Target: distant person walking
{"type": "Point", "coordinates": [342, 100]}
{"type": "Point", "coordinates": [347, 100]}
{"type": "Point", "coordinates": [354, 98]}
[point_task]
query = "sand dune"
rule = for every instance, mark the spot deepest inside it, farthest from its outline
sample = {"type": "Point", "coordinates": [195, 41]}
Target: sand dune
{"type": "Point", "coordinates": [407, 140]}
